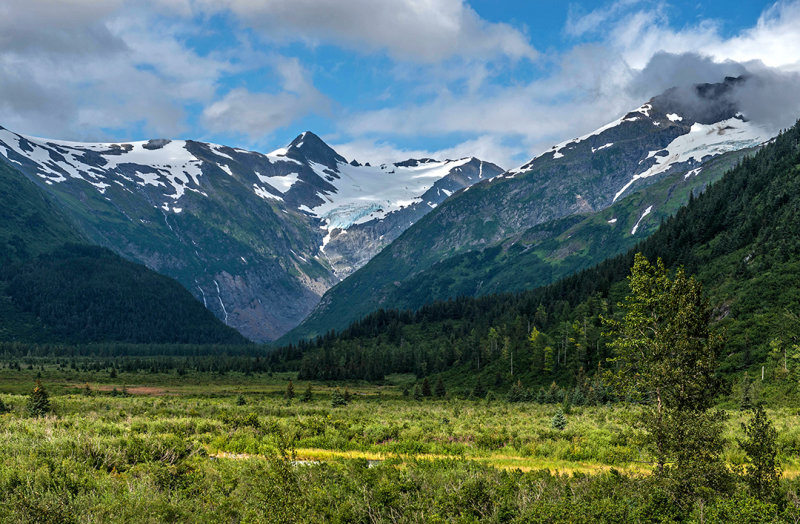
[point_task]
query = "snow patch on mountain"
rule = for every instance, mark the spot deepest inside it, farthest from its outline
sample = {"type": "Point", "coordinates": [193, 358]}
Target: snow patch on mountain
{"type": "Point", "coordinates": [636, 227]}
{"type": "Point", "coordinates": [605, 146]}
{"type": "Point", "coordinates": [170, 165]}
{"type": "Point", "coordinates": [281, 183]}
{"type": "Point", "coordinates": [365, 193]}
{"type": "Point", "coordinates": [702, 140]}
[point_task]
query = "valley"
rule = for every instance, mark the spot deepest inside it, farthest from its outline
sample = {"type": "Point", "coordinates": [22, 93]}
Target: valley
{"type": "Point", "coordinates": [399, 262]}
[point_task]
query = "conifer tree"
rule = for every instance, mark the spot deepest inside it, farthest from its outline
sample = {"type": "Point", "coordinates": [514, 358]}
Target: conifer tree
{"type": "Point", "coordinates": [38, 401]}
{"type": "Point", "coordinates": [417, 392]}
{"type": "Point", "coordinates": [762, 471]}
{"type": "Point", "coordinates": [426, 388]}
{"type": "Point", "coordinates": [559, 421]}
{"type": "Point", "coordinates": [440, 389]}
{"type": "Point", "coordinates": [479, 391]}
{"type": "Point", "coordinates": [289, 390]}
{"type": "Point", "coordinates": [307, 394]}
{"type": "Point", "coordinates": [337, 399]}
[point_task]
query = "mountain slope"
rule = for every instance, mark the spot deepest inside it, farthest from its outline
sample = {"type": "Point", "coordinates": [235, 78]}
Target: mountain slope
{"type": "Point", "coordinates": [245, 232]}
{"type": "Point", "coordinates": [559, 248]}
{"type": "Point", "coordinates": [54, 289]}
{"type": "Point", "coordinates": [740, 237]}
{"type": "Point", "coordinates": [669, 136]}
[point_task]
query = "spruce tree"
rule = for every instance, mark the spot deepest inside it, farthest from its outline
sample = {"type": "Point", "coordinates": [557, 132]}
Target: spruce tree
{"type": "Point", "coordinates": [38, 401]}
{"type": "Point", "coordinates": [762, 471]}
{"type": "Point", "coordinates": [479, 391]}
{"type": "Point", "coordinates": [337, 399]}
{"type": "Point", "coordinates": [517, 393]}
{"type": "Point", "coordinates": [417, 393]}
{"type": "Point", "coordinates": [440, 390]}
{"type": "Point", "coordinates": [4, 407]}
{"type": "Point", "coordinates": [426, 388]}
{"type": "Point", "coordinates": [307, 395]}
{"type": "Point", "coordinates": [289, 390]}
{"type": "Point", "coordinates": [559, 421]}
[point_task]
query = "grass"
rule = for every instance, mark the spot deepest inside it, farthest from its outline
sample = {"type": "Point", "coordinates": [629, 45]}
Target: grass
{"type": "Point", "coordinates": [185, 449]}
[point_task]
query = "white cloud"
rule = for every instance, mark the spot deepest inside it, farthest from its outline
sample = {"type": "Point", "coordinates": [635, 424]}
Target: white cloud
{"type": "Point", "coordinates": [487, 147]}
{"type": "Point", "coordinates": [73, 68]}
{"type": "Point", "coordinates": [88, 70]}
{"type": "Point", "coordinates": [70, 69]}
{"type": "Point", "coordinates": [416, 30]}
{"type": "Point", "coordinates": [636, 54]}
{"type": "Point", "coordinates": [257, 114]}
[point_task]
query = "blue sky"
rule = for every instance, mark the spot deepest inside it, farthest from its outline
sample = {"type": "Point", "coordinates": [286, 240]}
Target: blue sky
{"type": "Point", "coordinates": [378, 79]}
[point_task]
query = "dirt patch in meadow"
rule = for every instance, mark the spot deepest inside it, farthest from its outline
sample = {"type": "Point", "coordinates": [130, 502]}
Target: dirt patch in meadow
{"type": "Point", "coordinates": [131, 390]}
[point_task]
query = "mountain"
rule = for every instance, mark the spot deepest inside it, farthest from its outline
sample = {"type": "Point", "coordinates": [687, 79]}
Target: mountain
{"type": "Point", "coordinates": [258, 238]}
{"type": "Point", "coordinates": [672, 135]}
{"type": "Point", "coordinates": [561, 247]}
{"type": "Point", "coordinates": [55, 288]}
{"type": "Point", "coordinates": [739, 238]}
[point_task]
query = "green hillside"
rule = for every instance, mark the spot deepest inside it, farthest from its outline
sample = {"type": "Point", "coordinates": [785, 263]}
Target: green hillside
{"type": "Point", "coordinates": [536, 257]}
{"type": "Point", "coordinates": [55, 288]}
{"type": "Point", "coordinates": [740, 237]}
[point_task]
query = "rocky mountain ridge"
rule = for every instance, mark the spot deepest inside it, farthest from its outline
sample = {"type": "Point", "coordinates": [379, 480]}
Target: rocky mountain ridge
{"type": "Point", "coordinates": [247, 233]}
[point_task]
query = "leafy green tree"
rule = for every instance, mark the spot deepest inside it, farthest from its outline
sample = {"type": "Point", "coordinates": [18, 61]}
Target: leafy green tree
{"type": "Point", "coordinates": [762, 470]}
{"type": "Point", "coordinates": [549, 360]}
{"type": "Point", "coordinates": [39, 401]}
{"type": "Point", "coordinates": [559, 421]}
{"type": "Point", "coordinates": [666, 354]}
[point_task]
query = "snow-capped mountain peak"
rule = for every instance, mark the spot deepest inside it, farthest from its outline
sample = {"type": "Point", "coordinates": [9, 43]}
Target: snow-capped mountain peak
{"type": "Point", "coordinates": [679, 129]}
{"type": "Point", "coordinates": [309, 147]}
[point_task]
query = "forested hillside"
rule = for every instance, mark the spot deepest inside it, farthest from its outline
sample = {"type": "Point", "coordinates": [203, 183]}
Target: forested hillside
{"type": "Point", "coordinates": [740, 237]}
{"type": "Point", "coordinates": [536, 257]}
{"type": "Point", "coordinates": [55, 288]}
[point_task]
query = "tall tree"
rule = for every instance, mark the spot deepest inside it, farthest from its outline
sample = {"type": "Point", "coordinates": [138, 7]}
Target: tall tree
{"type": "Point", "coordinates": [666, 355]}
{"type": "Point", "coordinates": [762, 471]}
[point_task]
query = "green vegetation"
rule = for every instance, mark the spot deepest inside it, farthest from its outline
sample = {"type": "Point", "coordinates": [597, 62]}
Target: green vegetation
{"type": "Point", "coordinates": [54, 288]}
{"type": "Point", "coordinates": [532, 258]}
{"type": "Point", "coordinates": [738, 238]}
{"type": "Point", "coordinates": [182, 448]}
